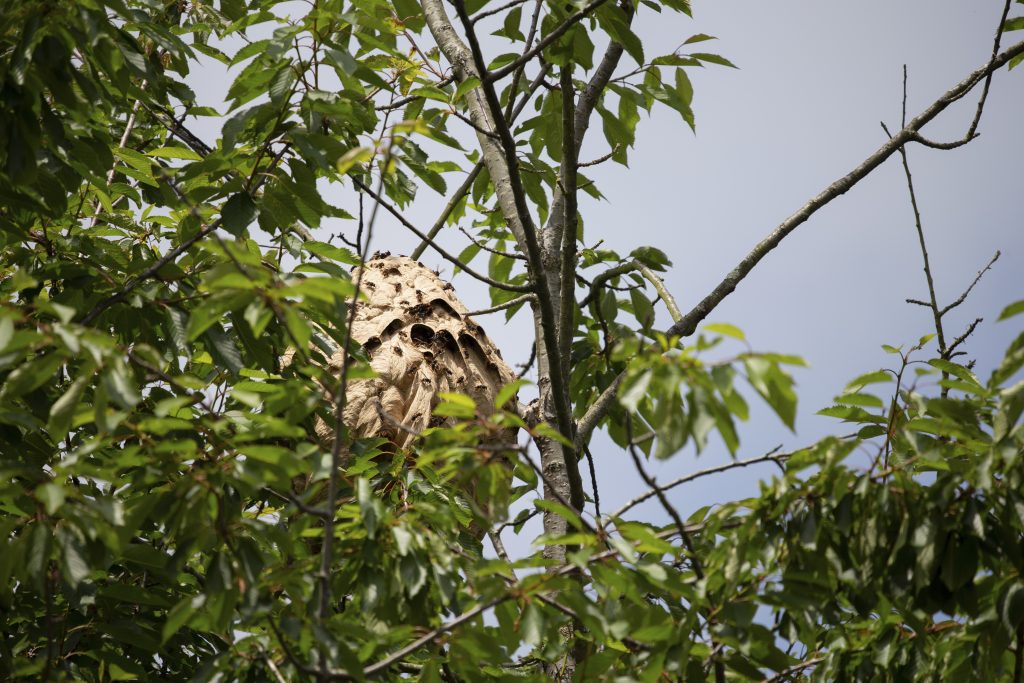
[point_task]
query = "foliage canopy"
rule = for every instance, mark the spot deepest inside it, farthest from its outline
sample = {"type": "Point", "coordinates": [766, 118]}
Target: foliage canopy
{"type": "Point", "coordinates": [168, 510]}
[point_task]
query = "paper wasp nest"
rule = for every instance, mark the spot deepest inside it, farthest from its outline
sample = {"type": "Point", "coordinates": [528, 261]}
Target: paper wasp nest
{"type": "Point", "coordinates": [421, 342]}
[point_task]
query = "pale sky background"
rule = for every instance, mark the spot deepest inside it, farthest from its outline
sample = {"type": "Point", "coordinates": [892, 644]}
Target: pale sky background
{"type": "Point", "coordinates": [814, 80]}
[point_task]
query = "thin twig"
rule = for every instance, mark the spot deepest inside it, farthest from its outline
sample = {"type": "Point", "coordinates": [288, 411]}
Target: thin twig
{"type": "Point", "coordinates": [491, 250]}
{"type": "Point", "coordinates": [294, 500]}
{"type": "Point", "coordinates": [796, 668]}
{"type": "Point", "coordinates": [438, 248]}
{"type": "Point", "coordinates": [525, 367]}
{"type": "Point", "coordinates": [963, 337]}
{"type": "Point", "coordinates": [932, 302]}
{"type": "Point", "coordinates": [772, 457]}
{"type": "Point", "coordinates": [327, 547]}
{"type": "Point", "coordinates": [601, 159]}
{"type": "Point", "coordinates": [972, 130]}
{"type": "Point", "coordinates": [960, 299]}
{"type": "Point", "coordinates": [497, 10]}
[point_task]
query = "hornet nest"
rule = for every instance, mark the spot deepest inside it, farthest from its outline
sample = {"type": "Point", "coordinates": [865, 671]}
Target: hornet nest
{"type": "Point", "coordinates": [421, 342]}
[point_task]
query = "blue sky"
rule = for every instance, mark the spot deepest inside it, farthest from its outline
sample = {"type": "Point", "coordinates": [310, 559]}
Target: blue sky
{"type": "Point", "coordinates": [814, 80]}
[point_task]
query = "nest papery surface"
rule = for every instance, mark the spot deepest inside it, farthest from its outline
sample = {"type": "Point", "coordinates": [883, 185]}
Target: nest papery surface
{"type": "Point", "coordinates": [421, 342]}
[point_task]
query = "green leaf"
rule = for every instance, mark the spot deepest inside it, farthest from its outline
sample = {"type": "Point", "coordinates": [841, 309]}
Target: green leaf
{"type": "Point", "coordinates": [726, 330]}
{"type": "Point", "coordinates": [455, 405]}
{"type": "Point", "coordinates": [1015, 308]}
{"type": "Point", "coordinates": [174, 153]}
{"type": "Point", "coordinates": [876, 377]}
{"type": "Point", "coordinates": [31, 375]}
{"type": "Point", "coordinates": [6, 332]}
{"type": "Point", "coordinates": [121, 386]}
{"type": "Point", "coordinates": [238, 213]}
{"type": "Point", "coordinates": [73, 565]}
{"type": "Point", "coordinates": [712, 58]}
{"type": "Point", "coordinates": [51, 496]}
{"type": "Point", "coordinates": [566, 513]}
{"type": "Point", "coordinates": [615, 21]}
{"type": "Point", "coordinates": [507, 392]}
{"type": "Point", "coordinates": [634, 389]}
{"type": "Point", "coordinates": [180, 615]}
{"type": "Point", "coordinates": [1013, 24]}
{"type": "Point", "coordinates": [63, 409]}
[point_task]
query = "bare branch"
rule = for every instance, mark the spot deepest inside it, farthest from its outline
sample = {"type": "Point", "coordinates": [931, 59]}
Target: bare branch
{"type": "Point", "coordinates": [567, 181]}
{"type": "Point", "coordinates": [601, 159]}
{"type": "Point", "coordinates": [469, 122]}
{"type": "Point", "coordinates": [456, 197]}
{"type": "Point", "coordinates": [962, 338]}
{"type": "Point", "coordinates": [508, 304]}
{"type": "Point", "coordinates": [973, 128]}
{"type": "Point", "coordinates": [932, 302]}
{"type": "Point", "coordinates": [593, 482]}
{"type": "Point", "coordinates": [960, 299]}
{"type": "Point", "coordinates": [491, 250]}
{"type": "Point", "coordinates": [647, 273]}
{"type": "Point", "coordinates": [497, 10]}
{"type": "Point", "coordinates": [601, 278]}
{"type": "Point", "coordinates": [490, 108]}
{"type": "Point", "coordinates": [771, 457]}
{"type": "Point", "coordinates": [688, 324]}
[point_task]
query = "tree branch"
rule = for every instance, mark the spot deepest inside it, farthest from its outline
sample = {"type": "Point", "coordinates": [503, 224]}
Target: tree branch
{"type": "Point", "coordinates": [773, 457]}
{"type": "Point", "coordinates": [973, 128]}
{"type": "Point", "coordinates": [586, 424]}
{"type": "Point", "coordinates": [960, 299]}
{"type": "Point", "coordinates": [567, 177]}
{"type": "Point", "coordinates": [508, 304]}
{"type": "Point", "coordinates": [491, 109]}
{"type": "Point", "coordinates": [688, 324]}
